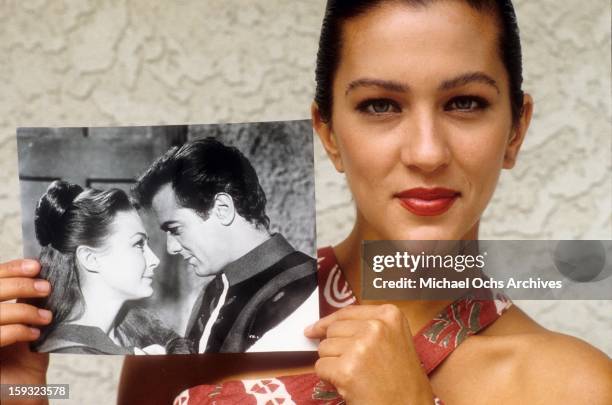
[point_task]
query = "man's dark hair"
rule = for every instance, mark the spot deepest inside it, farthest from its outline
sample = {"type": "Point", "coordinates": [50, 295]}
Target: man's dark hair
{"type": "Point", "coordinates": [198, 171]}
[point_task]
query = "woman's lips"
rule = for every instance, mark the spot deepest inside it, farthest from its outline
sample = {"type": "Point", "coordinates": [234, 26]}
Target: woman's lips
{"type": "Point", "coordinates": [428, 202]}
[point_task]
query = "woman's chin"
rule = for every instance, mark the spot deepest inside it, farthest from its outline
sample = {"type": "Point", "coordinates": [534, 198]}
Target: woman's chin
{"type": "Point", "coordinates": [144, 292]}
{"type": "Point", "coordinates": [425, 232]}
{"type": "Point", "coordinates": [148, 292]}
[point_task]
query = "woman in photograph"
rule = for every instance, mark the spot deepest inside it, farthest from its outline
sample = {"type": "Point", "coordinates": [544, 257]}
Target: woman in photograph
{"type": "Point", "coordinates": [419, 103]}
{"type": "Point", "coordinates": [95, 254]}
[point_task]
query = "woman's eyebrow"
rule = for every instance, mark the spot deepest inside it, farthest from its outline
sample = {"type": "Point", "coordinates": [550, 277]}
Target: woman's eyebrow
{"type": "Point", "coordinates": [144, 235]}
{"type": "Point", "coordinates": [466, 78]}
{"type": "Point", "coordinates": [384, 84]}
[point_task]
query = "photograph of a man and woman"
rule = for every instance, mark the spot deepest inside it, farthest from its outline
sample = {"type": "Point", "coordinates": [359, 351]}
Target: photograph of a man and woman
{"type": "Point", "coordinates": [172, 239]}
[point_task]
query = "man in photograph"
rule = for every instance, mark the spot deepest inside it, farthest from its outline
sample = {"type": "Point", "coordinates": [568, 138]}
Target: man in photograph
{"type": "Point", "coordinates": [206, 196]}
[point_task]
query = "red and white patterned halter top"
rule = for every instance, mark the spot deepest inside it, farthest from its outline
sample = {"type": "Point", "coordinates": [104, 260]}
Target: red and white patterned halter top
{"type": "Point", "coordinates": [433, 343]}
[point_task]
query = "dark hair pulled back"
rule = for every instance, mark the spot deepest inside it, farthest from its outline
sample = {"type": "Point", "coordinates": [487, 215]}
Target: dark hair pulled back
{"type": "Point", "coordinates": [338, 12]}
{"type": "Point", "coordinates": [67, 217]}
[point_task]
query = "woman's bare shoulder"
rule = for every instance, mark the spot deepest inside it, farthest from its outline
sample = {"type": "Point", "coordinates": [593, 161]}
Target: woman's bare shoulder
{"type": "Point", "coordinates": [518, 361]}
{"type": "Point", "coordinates": [558, 368]}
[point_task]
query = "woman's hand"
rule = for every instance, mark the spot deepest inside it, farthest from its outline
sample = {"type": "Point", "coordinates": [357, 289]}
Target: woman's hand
{"type": "Point", "coordinates": [19, 364]}
{"type": "Point", "coordinates": [368, 355]}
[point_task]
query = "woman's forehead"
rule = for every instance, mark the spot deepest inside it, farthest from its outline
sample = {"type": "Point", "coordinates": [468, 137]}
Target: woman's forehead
{"type": "Point", "coordinates": [127, 223]}
{"type": "Point", "coordinates": [442, 38]}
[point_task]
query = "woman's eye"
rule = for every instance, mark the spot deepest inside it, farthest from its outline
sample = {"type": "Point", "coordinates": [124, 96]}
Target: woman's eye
{"type": "Point", "coordinates": [466, 104]}
{"type": "Point", "coordinates": [140, 244]}
{"type": "Point", "coordinates": [378, 106]}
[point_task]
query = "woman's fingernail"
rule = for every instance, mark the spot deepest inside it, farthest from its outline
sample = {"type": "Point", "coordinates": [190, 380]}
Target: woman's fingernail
{"type": "Point", "coordinates": [29, 267]}
{"type": "Point", "coordinates": [35, 332]}
{"type": "Point", "coordinates": [45, 314]}
{"type": "Point", "coordinates": [42, 286]}
{"type": "Point", "coordinates": [308, 329]}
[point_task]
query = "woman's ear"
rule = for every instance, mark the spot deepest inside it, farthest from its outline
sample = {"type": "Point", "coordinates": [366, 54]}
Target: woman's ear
{"type": "Point", "coordinates": [223, 208]}
{"type": "Point", "coordinates": [327, 137]}
{"type": "Point", "coordinates": [517, 136]}
{"type": "Point", "coordinates": [87, 258]}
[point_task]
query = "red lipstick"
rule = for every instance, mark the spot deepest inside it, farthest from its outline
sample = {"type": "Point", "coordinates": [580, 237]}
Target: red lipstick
{"type": "Point", "coordinates": [428, 202]}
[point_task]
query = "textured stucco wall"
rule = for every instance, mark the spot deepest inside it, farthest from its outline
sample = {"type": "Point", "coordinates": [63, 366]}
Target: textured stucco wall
{"type": "Point", "coordinates": [111, 62]}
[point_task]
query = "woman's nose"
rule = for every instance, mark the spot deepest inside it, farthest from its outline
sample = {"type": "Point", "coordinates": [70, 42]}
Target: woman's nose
{"type": "Point", "coordinates": [424, 145]}
{"type": "Point", "coordinates": [151, 259]}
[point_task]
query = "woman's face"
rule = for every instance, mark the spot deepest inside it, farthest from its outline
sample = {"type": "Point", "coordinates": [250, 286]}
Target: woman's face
{"type": "Point", "coordinates": [421, 119]}
{"type": "Point", "coordinates": [126, 262]}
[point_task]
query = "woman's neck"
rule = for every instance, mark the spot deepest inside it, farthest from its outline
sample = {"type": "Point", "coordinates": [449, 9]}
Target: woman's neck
{"type": "Point", "coordinates": [349, 253]}
{"type": "Point", "coordinates": [101, 306]}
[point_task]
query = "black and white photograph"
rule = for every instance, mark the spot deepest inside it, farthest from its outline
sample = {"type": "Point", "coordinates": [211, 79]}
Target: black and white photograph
{"type": "Point", "coordinates": [174, 239]}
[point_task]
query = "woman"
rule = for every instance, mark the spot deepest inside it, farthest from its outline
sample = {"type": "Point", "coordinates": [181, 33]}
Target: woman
{"type": "Point", "coordinates": [418, 104]}
{"type": "Point", "coordinates": [95, 254]}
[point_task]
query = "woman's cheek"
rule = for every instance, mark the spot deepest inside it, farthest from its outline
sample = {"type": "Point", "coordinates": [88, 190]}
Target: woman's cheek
{"type": "Point", "coordinates": [367, 195]}
{"type": "Point", "coordinates": [132, 268]}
